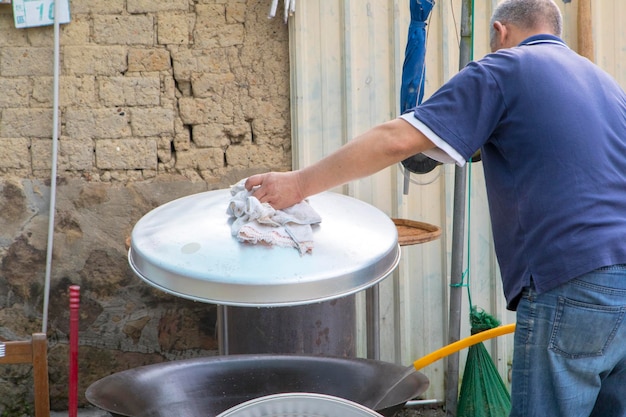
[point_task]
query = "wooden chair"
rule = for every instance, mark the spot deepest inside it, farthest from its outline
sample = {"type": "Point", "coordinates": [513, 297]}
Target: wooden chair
{"type": "Point", "coordinates": [34, 352]}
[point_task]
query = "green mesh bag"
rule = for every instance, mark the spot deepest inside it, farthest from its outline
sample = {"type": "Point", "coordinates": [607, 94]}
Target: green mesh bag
{"type": "Point", "coordinates": [483, 393]}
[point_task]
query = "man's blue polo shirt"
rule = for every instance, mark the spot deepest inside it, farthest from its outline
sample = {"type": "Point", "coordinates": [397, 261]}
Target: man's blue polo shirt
{"type": "Point", "coordinates": [552, 131]}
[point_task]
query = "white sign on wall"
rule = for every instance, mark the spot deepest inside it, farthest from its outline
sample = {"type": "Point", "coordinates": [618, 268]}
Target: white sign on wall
{"type": "Point", "coordinates": [30, 13]}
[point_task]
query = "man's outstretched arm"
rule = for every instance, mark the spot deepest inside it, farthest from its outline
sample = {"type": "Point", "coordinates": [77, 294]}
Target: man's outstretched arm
{"type": "Point", "coordinates": [374, 150]}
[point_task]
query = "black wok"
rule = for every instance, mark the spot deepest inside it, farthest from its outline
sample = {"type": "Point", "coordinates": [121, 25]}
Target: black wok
{"type": "Point", "coordinates": [208, 386]}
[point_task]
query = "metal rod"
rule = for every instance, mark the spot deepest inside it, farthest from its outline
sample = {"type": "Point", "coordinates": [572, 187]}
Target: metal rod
{"type": "Point", "coordinates": [53, 173]}
{"type": "Point", "coordinates": [422, 403]}
{"type": "Point", "coordinates": [222, 329]}
{"type": "Point", "coordinates": [458, 237]}
{"type": "Point", "coordinates": [456, 272]}
{"type": "Point", "coordinates": [372, 318]}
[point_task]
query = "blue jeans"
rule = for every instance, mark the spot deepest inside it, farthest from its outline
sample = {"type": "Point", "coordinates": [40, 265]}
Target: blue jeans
{"type": "Point", "coordinates": [570, 349]}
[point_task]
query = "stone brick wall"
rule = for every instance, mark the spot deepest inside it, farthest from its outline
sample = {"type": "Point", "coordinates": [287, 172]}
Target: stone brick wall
{"type": "Point", "coordinates": [197, 88]}
{"type": "Point", "coordinates": [158, 99]}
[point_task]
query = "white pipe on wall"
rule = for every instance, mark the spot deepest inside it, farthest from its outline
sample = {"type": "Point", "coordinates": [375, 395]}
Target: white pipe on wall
{"type": "Point", "coordinates": [53, 175]}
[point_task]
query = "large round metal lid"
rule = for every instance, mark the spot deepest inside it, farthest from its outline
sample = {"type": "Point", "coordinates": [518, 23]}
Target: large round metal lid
{"type": "Point", "coordinates": [300, 404]}
{"type": "Point", "coordinates": [186, 248]}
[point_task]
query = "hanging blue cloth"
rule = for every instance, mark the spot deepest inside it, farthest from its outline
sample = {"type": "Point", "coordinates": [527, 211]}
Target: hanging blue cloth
{"type": "Point", "coordinates": [413, 71]}
{"type": "Point", "coordinates": [413, 75]}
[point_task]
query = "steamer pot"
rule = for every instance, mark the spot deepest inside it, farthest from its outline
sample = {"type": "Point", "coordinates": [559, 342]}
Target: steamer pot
{"type": "Point", "coordinates": [186, 248]}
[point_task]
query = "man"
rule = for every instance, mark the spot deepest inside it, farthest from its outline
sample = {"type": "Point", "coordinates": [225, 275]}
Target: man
{"type": "Point", "coordinates": [551, 127]}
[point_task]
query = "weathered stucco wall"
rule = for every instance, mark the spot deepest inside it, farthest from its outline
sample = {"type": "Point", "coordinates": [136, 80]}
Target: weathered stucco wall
{"type": "Point", "coordinates": [158, 99]}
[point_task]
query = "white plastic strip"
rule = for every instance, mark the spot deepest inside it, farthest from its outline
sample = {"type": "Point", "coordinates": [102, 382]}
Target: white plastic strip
{"type": "Point", "coordinates": [53, 174]}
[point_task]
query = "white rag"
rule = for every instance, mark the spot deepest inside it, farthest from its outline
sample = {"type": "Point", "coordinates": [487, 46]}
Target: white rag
{"type": "Point", "coordinates": [257, 222]}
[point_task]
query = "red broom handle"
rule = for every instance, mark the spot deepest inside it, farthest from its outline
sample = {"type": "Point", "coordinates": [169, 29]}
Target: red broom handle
{"type": "Point", "coordinates": [73, 382]}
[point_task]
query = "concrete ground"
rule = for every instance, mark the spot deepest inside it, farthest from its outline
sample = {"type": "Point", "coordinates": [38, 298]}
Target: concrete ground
{"type": "Point", "coordinates": [82, 412]}
{"type": "Point", "coordinates": [420, 411]}
{"type": "Point", "coordinates": [425, 411]}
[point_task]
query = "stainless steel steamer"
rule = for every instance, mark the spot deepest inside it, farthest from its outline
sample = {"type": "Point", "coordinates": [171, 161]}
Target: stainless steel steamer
{"type": "Point", "coordinates": [186, 248]}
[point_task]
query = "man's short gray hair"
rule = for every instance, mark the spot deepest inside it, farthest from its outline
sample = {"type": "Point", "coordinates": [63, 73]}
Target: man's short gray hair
{"type": "Point", "coordinates": [528, 14]}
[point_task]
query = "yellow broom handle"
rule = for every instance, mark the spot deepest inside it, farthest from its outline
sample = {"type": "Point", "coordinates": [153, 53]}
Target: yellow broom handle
{"type": "Point", "coordinates": [462, 344]}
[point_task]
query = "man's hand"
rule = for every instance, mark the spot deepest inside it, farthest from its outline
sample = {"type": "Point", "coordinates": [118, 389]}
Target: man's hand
{"type": "Point", "coordinates": [279, 189]}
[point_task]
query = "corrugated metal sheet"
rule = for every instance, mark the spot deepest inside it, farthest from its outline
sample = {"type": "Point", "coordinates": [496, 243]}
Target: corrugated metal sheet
{"type": "Point", "coordinates": [346, 60]}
